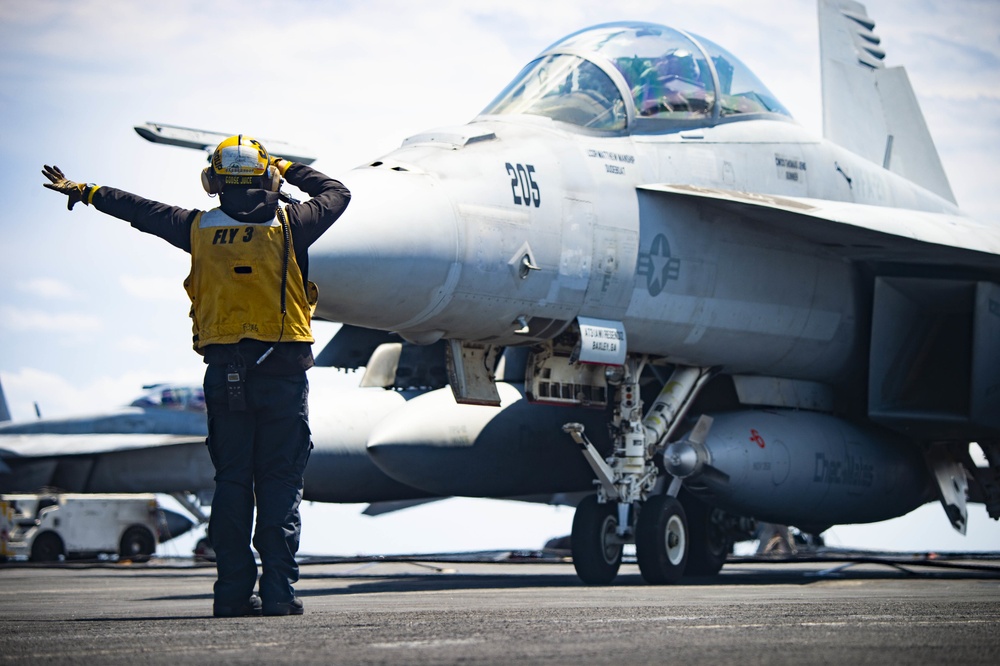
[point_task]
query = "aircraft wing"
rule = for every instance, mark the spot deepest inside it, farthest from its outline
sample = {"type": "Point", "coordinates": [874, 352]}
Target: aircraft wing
{"type": "Point", "coordinates": [352, 346]}
{"type": "Point", "coordinates": [185, 137]}
{"type": "Point", "coordinates": [860, 232]}
{"type": "Point", "coordinates": [105, 463]}
{"type": "Point", "coordinates": [45, 445]}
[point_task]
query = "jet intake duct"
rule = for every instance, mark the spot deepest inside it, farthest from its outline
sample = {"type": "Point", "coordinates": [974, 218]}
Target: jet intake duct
{"type": "Point", "coordinates": [935, 358]}
{"type": "Point", "coordinates": [801, 468]}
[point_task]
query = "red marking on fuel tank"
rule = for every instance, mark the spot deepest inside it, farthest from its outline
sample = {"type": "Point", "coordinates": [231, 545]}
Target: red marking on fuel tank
{"type": "Point", "coordinates": [756, 438]}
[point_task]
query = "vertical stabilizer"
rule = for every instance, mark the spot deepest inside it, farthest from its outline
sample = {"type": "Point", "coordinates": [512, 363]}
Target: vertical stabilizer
{"type": "Point", "coordinates": [870, 109]}
{"type": "Point", "coordinates": [4, 410]}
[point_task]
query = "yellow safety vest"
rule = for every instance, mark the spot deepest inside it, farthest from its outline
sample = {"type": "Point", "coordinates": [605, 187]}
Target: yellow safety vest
{"type": "Point", "coordinates": [235, 283]}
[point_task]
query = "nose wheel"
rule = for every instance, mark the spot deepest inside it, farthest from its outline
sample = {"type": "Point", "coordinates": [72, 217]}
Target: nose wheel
{"type": "Point", "coordinates": [635, 506]}
{"type": "Point", "coordinates": [661, 540]}
{"type": "Point", "coordinates": [596, 546]}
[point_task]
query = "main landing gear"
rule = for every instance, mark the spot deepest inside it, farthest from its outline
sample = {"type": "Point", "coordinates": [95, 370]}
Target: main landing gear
{"type": "Point", "coordinates": [633, 504]}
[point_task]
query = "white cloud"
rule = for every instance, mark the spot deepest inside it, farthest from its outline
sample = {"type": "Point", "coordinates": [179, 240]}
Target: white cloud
{"type": "Point", "coordinates": [154, 288]}
{"type": "Point", "coordinates": [47, 287]}
{"type": "Point", "coordinates": [136, 344]}
{"type": "Point", "coordinates": [56, 396]}
{"type": "Point", "coordinates": [21, 319]}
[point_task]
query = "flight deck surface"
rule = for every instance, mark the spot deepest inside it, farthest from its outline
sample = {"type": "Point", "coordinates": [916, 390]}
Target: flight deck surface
{"type": "Point", "coordinates": [430, 611]}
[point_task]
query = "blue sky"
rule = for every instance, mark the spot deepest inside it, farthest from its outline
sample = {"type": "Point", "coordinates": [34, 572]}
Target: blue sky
{"type": "Point", "coordinates": [90, 309]}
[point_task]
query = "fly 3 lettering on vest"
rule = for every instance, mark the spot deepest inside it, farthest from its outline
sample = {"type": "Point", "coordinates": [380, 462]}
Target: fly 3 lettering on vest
{"type": "Point", "coordinates": [228, 236]}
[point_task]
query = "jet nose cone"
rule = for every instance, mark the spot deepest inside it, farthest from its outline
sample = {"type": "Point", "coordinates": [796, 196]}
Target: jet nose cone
{"type": "Point", "coordinates": [391, 258]}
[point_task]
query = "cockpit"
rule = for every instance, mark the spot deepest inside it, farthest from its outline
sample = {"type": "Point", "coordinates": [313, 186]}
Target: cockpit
{"type": "Point", "coordinates": [171, 396]}
{"type": "Point", "coordinates": [637, 77]}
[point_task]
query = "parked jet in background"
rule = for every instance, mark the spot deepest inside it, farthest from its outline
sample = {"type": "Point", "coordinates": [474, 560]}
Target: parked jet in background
{"type": "Point", "coordinates": [157, 444]}
{"type": "Point", "coordinates": [162, 408]}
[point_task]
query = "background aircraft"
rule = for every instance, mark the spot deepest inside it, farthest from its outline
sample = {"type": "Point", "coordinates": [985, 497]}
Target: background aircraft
{"type": "Point", "coordinates": [52, 343]}
{"type": "Point", "coordinates": [173, 409]}
{"type": "Point", "coordinates": [157, 444]}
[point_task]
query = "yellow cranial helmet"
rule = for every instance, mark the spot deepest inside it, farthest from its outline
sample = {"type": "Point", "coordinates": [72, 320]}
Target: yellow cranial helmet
{"type": "Point", "coordinates": [240, 161]}
{"type": "Point", "coordinates": [240, 156]}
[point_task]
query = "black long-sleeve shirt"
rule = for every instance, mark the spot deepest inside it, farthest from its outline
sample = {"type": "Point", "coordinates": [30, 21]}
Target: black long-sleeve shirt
{"type": "Point", "coordinates": [308, 220]}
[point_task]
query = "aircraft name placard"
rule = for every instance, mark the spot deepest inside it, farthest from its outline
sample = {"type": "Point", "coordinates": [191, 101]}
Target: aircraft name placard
{"type": "Point", "coordinates": [601, 341]}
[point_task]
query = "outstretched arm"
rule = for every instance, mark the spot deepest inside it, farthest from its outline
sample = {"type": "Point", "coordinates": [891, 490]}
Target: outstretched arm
{"type": "Point", "coordinates": [171, 223]}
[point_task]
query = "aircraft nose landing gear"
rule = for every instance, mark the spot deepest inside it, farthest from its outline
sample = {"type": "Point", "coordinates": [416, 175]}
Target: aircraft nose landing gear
{"type": "Point", "coordinates": [596, 546]}
{"type": "Point", "coordinates": [661, 540]}
{"type": "Point", "coordinates": [630, 505]}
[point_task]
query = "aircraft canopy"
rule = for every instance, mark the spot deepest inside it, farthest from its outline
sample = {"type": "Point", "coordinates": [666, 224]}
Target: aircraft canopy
{"type": "Point", "coordinates": [172, 396]}
{"type": "Point", "coordinates": [637, 76]}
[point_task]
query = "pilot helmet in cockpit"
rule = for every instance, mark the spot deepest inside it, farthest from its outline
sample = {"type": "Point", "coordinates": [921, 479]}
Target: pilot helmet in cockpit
{"type": "Point", "coordinates": [679, 64]}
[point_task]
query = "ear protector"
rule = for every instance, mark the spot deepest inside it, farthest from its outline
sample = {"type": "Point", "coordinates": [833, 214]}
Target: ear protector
{"type": "Point", "coordinates": [211, 180]}
{"type": "Point", "coordinates": [272, 179]}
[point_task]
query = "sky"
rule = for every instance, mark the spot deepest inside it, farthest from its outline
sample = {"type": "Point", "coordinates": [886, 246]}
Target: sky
{"type": "Point", "coordinates": [90, 309]}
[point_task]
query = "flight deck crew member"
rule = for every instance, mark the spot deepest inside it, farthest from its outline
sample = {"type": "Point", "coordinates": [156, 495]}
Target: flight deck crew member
{"type": "Point", "coordinates": [251, 304]}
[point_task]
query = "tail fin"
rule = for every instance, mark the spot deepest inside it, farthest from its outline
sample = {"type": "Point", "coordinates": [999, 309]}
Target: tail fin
{"type": "Point", "coordinates": [870, 109]}
{"type": "Point", "coordinates": [4, 410]}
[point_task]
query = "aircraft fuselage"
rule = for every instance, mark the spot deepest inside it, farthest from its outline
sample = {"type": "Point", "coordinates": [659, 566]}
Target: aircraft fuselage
{"type": "Point", "coordinates": [468, 233]}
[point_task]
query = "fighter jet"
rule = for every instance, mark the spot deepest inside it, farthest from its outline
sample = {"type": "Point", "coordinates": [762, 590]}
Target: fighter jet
{"type": "Point", "coordinates": [157, 444]}
{"type": "Point", "coordinates": [725, 315]}
{"type": "Point", "coordinates": [816, 316]}
{"type": "Point", "coordinates": [162, 408]}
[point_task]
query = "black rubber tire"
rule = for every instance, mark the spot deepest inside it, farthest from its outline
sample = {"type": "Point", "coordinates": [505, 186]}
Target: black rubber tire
{"type": "Point", "coordinates": [137, 544]}
{"type": "Point", "coordinates": [47, 547]}
{"type": "Point", "coordinates": [708, 543]}
{"type": "Point", "coordinates": [661, 540]}
{"type": "Point", "coordinates": [595, 558]}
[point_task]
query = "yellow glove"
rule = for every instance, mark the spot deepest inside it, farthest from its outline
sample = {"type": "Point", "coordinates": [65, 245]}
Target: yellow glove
{"type": "Point", "coordinates": [76, 192]}
{"type": "Point", "coordinates": [280, 164]}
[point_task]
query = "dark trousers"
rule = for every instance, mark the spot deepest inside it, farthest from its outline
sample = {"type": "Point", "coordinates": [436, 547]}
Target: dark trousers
{"type": "Point", "coordinates": [260, 453]}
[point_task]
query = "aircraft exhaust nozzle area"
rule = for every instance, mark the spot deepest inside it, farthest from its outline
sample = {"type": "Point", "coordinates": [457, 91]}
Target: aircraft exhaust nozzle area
{"type": "Point", "coordinates": [435, 444]}
{"type": "Point", "coordinates": [393, 257]}
{"type": "Point", "coordinates": [801, 468]}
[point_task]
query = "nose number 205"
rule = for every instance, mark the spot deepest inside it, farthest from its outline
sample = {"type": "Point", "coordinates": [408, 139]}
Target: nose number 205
{"type": "Point", "coordinates": [523, 186]}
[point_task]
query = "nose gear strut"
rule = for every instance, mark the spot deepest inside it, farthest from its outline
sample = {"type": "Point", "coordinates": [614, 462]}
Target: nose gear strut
{"type": "Point", "coordinates": [645, 514]}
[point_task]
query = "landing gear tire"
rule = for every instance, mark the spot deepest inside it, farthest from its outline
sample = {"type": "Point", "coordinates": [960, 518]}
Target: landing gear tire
{"type": "Point", "coordinates": [596, 548]}
{"type": "Point", "coordinates": [708, 545]}
{"type": "Point", "coordinates": [661, 540]}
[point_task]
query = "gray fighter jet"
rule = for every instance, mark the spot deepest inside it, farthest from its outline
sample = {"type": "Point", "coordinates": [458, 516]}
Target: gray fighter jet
{"type": "Point", "coordinates": [816, 319]}
{"type": "Point", "coordinates": [725, 315]}
{"type": "Point", "coordinates": [157, 444]}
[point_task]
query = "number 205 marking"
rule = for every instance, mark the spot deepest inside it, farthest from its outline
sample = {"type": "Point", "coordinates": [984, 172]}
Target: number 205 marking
{"type": "Point", "coordinates": [523, 185]}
